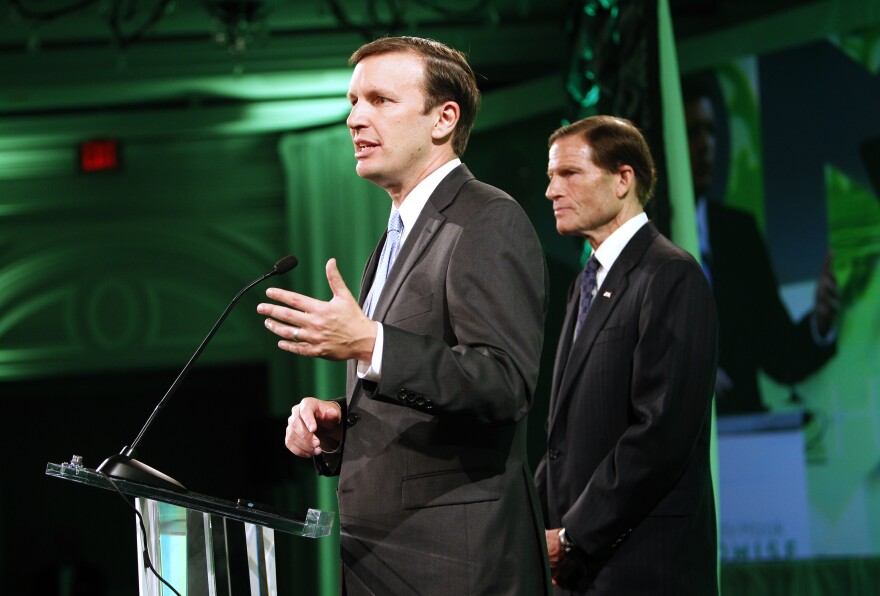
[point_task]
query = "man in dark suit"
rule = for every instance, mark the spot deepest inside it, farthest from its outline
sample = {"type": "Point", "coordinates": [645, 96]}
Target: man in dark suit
{"type": "Point", "coordinates": [756, 331]}
{"type": "Point", "coordinates": [625, 485]}
{"type": "Point", "coordinates": [435, 493]}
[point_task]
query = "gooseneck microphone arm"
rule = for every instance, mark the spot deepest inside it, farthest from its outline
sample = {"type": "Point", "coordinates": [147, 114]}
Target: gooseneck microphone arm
{"type": "Point", "coordinates": [277, 270]}
{"type": "Point", "coordinates": [123, 465]}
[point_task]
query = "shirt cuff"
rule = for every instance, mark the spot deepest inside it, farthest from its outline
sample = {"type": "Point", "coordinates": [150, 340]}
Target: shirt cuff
{"type": "Point", "coordinates": [372, 371]}
{"type": "Point", "coordinates": [820, 341]}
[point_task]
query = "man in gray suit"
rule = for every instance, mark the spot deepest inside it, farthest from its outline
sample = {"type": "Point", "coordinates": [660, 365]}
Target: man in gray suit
{"type": "Point", "coordinates": [435, 494]}
{"type": "Point", "coordinates": [625, 486]}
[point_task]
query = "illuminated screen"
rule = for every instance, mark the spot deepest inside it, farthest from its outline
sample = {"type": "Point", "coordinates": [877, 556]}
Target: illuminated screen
{"type": "Point", "coordinates": [797, 147]}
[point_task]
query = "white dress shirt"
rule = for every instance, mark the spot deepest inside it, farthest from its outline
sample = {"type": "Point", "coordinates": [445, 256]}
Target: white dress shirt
{"type": "Point", "coordinates": [410, 209]}
{"type": "Point", "coordinates": [609, 250]}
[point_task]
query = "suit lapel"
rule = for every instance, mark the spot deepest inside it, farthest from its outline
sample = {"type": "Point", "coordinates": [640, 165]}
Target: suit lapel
{"type": "Point", "coordinates": [370, 270]}
{"type": "Point", "coordinates": [419, 238]}
{"type": "Point", "coordinates": [613, 288]}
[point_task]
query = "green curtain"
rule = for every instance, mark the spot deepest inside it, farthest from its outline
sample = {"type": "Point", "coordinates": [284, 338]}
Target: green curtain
{"type": "Point", "coordinates": [682, 222]}
{"type": "Point", "coordinates": [812, 577]}
{"type": "Point", "coordinates": [331, 212]}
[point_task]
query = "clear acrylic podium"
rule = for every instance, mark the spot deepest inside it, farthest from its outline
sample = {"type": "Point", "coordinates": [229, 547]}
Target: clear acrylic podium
{"type": "Point", "coordinates": [198, 542]}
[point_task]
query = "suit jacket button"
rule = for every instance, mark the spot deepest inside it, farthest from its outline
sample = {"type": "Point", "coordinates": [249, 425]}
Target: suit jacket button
{"type": "Point", "coordinates": [553, 453]}
{"type": "Point", "coordinates": [353, 418]}
{"type": "Point", "coordinates": [428, 404]}
{"type": "Point", "coordinates": [402, 394]}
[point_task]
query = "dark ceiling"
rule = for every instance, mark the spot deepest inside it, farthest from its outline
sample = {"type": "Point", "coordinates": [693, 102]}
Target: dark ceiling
{"type": "Point", "coordinates": [46, 51]}
{"type": "Point", "coordinates": [698, 17]}
{"type": "Point", "coordinates": [60, 24]}
{"type": "Point", "coordinates": [75, 54]}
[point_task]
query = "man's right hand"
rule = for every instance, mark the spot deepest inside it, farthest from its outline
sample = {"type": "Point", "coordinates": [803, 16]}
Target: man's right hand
{"type": "Point", "coordinates": [565, 570]}
{"type": "Point", "coordinates": [827, 306]}
{"type": "Point", "coordinates": [314, 426]}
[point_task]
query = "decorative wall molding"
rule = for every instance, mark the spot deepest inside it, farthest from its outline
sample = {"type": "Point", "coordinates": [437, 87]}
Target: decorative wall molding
{"type": "Point", "coordinates": [131, 269]}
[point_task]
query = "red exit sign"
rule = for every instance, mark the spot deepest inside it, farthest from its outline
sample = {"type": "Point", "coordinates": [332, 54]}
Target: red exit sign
{"type": "Point", "coordinates": [99, 155]}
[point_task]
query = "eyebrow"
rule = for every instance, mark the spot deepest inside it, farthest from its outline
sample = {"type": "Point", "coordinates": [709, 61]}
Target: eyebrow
{"type": "Point", "coordinates": [564, 167]}
{"type": "Point", "coordinates": [375, 90]}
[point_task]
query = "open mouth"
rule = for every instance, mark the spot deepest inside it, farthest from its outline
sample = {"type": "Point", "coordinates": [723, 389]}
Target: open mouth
{"type": "Point", "coordinates": [363, 148]}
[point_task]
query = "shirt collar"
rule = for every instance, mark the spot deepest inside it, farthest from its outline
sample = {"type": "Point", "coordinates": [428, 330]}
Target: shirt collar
{"type": "Point", "coordinates": [412, 205]}
{"type": "Point", "coordinates": [702, 215]}
{"type": "Point", "coordinates": [609, 250]}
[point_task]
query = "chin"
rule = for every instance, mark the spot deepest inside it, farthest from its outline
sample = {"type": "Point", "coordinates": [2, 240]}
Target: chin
{"type": "Point", "coordinates": [365, 171]}
{"type": "Point", "coordinates": [569, 231]}
{"type": "Point", "coordinates": [704, 183]}
{"type": "Point", "coordinates": [377, 177]}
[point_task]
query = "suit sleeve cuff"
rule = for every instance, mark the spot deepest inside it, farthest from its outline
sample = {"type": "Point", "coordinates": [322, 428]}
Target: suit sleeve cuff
{"type": "Point", "coordinates": [372, 371]}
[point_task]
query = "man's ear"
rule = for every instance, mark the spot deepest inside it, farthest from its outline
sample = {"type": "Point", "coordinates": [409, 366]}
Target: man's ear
{"type": "Point", "coordinates": [447, 119]}
{"type": "Point", "coordinates": [626, 182]}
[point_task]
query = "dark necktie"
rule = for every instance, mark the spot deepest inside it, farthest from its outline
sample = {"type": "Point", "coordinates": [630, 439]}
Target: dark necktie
{"type": "Point", "coordinates": [588, 286]}
{"type": "Point", "coordinates": [386, 259]}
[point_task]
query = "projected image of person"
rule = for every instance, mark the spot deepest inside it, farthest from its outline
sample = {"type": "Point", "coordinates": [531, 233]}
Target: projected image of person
{"type": "Point", "coordinates": [756, 331]}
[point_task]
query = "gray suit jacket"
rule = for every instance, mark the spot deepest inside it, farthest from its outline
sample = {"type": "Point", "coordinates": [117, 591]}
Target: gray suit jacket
{"type": "Point", "coordinates": [435, 494]}
{"type": "Point", "coordinates": [627, 469]}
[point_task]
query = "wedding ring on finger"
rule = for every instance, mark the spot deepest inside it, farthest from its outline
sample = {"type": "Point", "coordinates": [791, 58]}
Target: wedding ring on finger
{"type": "Point", "coordinates": [296, 331]}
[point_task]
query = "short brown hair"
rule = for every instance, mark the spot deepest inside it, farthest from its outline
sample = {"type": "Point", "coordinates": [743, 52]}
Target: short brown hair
{"type": "Point", "coordinates": [615, 142]}
{"type": "Point", "coordinates": [448, 77]}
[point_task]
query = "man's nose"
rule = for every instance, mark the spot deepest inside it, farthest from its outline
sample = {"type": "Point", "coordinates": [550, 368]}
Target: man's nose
{"type": "Point", "coordinates": [356, 118]}
{"type": "Point", "coordinates": [552, 190]}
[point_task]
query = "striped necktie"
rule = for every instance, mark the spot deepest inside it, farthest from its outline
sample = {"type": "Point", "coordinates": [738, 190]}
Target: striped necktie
{"type": "Point", "coordinates": [386, 260]}
{"type": "Point", "coordinates": [588, 286]}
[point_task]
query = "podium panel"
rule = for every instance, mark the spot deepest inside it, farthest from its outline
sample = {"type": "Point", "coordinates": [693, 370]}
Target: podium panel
{"type": "Point", "coordinates": [193, 550]}
{"type": "Point", "coordinates": [763, 484]}
{"type": "Point", "coordinates": [202, 545]}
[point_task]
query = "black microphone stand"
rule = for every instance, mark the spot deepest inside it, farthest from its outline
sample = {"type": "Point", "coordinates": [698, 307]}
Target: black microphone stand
{"type": "Point", "coordinates": [124, 465]}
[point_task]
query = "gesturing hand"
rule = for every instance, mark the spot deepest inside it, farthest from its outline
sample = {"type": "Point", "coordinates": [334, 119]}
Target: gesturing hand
{"type": "Point", "coordinates": [334, 330]}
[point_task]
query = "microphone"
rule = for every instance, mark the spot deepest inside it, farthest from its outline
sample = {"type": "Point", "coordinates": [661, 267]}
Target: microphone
{"type": "Point", "coordinates": [124, 465]}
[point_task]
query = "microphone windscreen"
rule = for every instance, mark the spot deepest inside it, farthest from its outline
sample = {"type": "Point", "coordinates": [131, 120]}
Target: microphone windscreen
{"type": "Point", "coordinates": [286, 264]}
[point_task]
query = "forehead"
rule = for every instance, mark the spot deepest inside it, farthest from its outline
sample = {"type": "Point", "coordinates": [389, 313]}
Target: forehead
{"type": "Point", "coordinates": [388, 70]}
{"type": "Point", "coordinates": [698, 110]}
{"type": "Point", "coordinates": [571, 150]}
